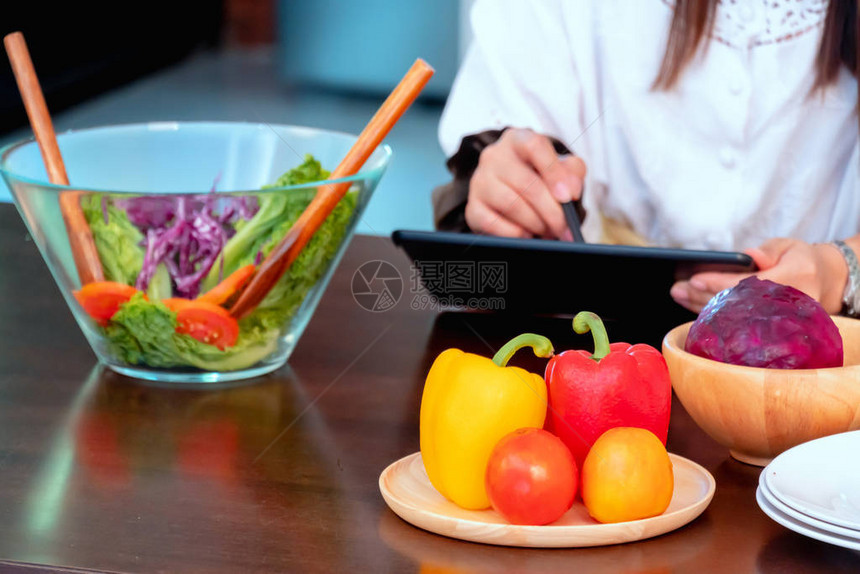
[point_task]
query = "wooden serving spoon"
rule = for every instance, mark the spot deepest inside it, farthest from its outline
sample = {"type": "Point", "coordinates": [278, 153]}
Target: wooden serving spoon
{"type": "Point", "coordinates": [328, 196]}
{"type": "Point", "coordinates": [81, 241]}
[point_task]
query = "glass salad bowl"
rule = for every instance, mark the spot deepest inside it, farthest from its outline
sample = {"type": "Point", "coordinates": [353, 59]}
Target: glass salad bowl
{"type": "Point", "coordinates": [179, 215]}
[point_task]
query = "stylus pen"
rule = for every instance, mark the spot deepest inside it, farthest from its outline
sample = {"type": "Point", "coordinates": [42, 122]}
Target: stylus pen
{"type": "Point", "coordinates": [572, 218]}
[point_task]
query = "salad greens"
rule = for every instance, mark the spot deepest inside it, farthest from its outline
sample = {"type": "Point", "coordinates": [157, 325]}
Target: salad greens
{"type": "Point", "coordinates": [143, 331]}
{"type": "Point", "coordinates": [117, 239]}
{"type": "Point", "coordinates": [266, 228]}
{"type": "Point", "coordinates": [160, 286]}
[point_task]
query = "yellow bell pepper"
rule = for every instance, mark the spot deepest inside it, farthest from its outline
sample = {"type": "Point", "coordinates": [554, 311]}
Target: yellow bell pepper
{"type": "Point", "coordinates": [469, 403]}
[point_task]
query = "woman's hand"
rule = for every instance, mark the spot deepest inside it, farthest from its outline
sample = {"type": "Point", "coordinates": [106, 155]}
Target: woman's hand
{"type": "Point", "coordinates": [818, 270]}
{"type": "Point", "coordinates": [519, 185]}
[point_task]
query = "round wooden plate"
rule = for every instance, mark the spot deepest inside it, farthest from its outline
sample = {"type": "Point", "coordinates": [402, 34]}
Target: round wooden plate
{"type": "Point", "coordinates": [408, 492]}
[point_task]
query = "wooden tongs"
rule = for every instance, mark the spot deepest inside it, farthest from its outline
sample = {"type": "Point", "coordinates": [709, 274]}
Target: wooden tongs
{"type": "Point", "coordinates": [328, 196]}
{"type": "Point", "coordinates": [81, 241]}
{"type": "Point", "coordinates": [273, 267]}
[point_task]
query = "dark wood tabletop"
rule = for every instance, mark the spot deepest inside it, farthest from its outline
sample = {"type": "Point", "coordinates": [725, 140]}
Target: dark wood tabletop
{"type": "Point", "coordinates": [101, 472]}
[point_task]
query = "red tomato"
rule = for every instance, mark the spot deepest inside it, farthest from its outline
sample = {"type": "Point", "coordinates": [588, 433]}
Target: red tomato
{"type": "Point", "coordinates": [102, 299]}
{"type": "Point", "coordinates": [207, 323]}
{"type": "Point", "coordinates": [210, 448]}
{"type": "Point", "coordinates": [99, 449]}
{"type": "Point", "coordinates": [531, 477]}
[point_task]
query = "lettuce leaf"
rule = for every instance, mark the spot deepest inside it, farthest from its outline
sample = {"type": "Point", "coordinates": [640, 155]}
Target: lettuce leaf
{"type": "Point", "coordinates": [117, 240]}
{"type": "Point", "coordinates": [287, 295]}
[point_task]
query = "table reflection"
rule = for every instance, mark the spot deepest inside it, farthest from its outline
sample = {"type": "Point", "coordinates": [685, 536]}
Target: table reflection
{"type": "Point", "coordinates": [436, 553]}
{"type": "Point", "coordinates": [132, 457]}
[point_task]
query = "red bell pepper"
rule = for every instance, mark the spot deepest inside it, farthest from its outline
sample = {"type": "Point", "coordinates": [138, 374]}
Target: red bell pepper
{"type": "Point", "coordinates": [620, 385]}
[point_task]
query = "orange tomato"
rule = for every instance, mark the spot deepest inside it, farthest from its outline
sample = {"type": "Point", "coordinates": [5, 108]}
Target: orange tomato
{"type": "Point", "coordinates": [627, 475]}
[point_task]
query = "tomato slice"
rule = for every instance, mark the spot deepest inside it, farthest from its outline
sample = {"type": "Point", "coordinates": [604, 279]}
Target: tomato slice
{"type": "Point", "coordinates": [229, 286]}
{"type": "Point", "coordinates": [207, 323]}
{"type": "Point", "coordinates": [102, 299]}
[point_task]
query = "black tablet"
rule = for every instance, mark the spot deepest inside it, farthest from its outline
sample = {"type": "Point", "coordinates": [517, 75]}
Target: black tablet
{"type": "Point", "coordinates": [488, 273]}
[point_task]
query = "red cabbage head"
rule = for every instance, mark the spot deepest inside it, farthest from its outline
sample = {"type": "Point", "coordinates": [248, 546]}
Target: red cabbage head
{"type": "Point", "coordinates": [759, 323]}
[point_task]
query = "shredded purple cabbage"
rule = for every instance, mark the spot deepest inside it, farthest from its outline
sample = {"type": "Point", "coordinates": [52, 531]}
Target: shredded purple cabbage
{"type": "Point", "coordinates": [186, 233]}
{"type": "Point", "coordinates": [154, 212]}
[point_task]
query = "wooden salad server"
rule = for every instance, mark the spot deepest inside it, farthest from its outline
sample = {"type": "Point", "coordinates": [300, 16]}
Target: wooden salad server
{"type": "Point", "coordinates": [83, 246]}
{"type": "Point", "coordinates": [328, 196]}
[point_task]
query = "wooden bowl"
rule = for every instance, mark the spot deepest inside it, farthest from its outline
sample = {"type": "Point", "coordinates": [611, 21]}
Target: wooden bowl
{"type": "Point", "coordinates": [758, 413]}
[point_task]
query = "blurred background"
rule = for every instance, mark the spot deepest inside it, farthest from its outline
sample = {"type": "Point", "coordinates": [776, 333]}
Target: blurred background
{"type": "Point", "coordinates": [321, 63]}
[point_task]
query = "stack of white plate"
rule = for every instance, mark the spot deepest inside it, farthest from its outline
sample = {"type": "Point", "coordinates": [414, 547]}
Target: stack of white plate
{"type": "Point", "coordinates": [814, 489]}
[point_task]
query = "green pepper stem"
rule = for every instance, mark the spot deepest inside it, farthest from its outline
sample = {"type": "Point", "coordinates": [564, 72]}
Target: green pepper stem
{"type": "Point", "coordinates": [586, 321]}
{"type": "Point", "coordinates": [541, 345]}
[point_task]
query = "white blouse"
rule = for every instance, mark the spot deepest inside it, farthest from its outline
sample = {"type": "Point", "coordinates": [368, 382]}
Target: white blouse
{"type": "Point", "coordinates": [739, 152]}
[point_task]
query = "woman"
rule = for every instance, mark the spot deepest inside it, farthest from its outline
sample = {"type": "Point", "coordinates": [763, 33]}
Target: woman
{"type": "Point", "coordinates": [711, 124]}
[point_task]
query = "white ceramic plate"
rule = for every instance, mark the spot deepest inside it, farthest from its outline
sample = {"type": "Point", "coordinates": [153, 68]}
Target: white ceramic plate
{"type": "Point", "coordinates": [789, 511]}
{"type": "Point", "coordinates": [820, 478]}
{"type": "Point", "coordinates": [803, 527]}
{"type": "Point", "coordinates": [408, 492]}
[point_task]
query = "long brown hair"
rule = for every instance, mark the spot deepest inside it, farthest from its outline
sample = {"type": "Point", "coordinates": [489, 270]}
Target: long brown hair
{"type": "Point", "coordinates": [694, 19]}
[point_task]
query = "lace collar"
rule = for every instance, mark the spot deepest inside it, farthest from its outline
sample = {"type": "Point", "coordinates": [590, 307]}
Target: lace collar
{"type": "Point", "coordinates": [749, 23]}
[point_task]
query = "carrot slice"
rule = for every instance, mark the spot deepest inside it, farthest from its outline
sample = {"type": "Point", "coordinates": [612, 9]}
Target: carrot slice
{"type": "Point", "coordinates": [219, 294]}
{"type": "Point", "coordinates": [175, 303]}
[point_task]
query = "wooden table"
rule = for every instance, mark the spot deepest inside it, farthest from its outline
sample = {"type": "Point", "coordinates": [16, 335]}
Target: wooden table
{"type": "Point", "coordinates": [99, 472]}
